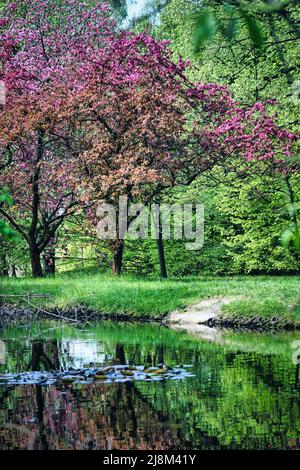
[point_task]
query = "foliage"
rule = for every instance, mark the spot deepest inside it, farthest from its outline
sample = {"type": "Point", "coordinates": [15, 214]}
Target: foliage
{"type": "Point", "coordinates": [6, 233]}
{"type": "Point", "coordinates": [252, 75]}
{"type": "Point", "coordinates": [208, 22]}
{"type": "Point", "coordinates": [122, 142]}
{"type": "Point", "coordinates": [151, 125]}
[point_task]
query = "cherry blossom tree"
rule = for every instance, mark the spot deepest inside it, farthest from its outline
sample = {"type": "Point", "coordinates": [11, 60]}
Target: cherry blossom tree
{"type": "Point", "coordinates": [150, 129]}
{"type": "Point", "coordinates": [93, 113]}
{"type": "Point", "coordinates": [42, 46]}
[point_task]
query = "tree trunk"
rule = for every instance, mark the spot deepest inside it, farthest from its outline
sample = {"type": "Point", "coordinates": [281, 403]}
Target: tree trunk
{"type": "Point", "coordinates": [160, 245]}
{"type": "Point", "coordinates": [118, 258]}
{"type": "Point", "coordinates": [120, 354]}
{"type": "Point", "coordinates": [13, 270]}
{"type": "Point", "coordinates": [3, 266]}
{"type": "Point", "coordinates": [295, 250]}
{"type": "Point", "coordinates": [41, 442]}
{"type": "Point", "coordinates": [39, 357]}
{"type": "Point", "coordinates": [49, 264]}
{"type": "Point", "coordinates": [161, 256]}
{"type": "Point", "coordinates": [36, 266]}
{"type": "Point", "coordinates": [49, 257]}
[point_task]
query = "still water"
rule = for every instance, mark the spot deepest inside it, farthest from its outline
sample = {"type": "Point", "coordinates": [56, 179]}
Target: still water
{"type": "Point", "coordinates": [243, 391]}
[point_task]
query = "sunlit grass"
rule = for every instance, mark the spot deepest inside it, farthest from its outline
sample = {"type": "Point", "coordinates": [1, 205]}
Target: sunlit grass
{"type": "Point", "coordinates": [261, 295]}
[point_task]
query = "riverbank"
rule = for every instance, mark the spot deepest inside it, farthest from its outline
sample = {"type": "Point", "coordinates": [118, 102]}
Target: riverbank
{"type": "Point", "coordinates": [255, 302]}
{"type": "Point", "coordinates": [12, 314]}
{"type": "Point", "coordinates": [204, 316]}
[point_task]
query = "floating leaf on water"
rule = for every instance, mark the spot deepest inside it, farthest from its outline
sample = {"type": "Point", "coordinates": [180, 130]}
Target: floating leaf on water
{"type": "Point", "coordinates": [89, 375]}
{"type": "Point", "coordinates": [127, 372]}
{"type": "Point", "coordinates": [68, 379]}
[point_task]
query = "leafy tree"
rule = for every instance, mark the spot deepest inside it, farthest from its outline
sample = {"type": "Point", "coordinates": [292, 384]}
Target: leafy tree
{"type": "Point", "coordinates": [43, 47]}
{"type": "Point", "coordinates": [94, 112]}
{"type": "Point", "coordinates": [251, 72]}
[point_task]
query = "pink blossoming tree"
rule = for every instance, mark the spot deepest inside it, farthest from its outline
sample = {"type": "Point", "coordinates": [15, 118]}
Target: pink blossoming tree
{"type": "Point", "coordinates": [93, 113]}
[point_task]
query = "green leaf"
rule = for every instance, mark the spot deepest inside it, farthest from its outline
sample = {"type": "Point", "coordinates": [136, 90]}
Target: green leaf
{"type": "Point", "coordinates": [297, 241]}
{"type": "Point", "coordinates": [291, 237]}
{"type": "Point", "coordinates": [287, 237]}
{"type": "Point", "coordinates": [205, 28]}
{"type": "Point", "coordinates": [254, 29]}
{"type": "Point", "coordinates": [230, 30]}
{"type": "Point", "coordinates": [272, 6]}
{"type": "Point", "coordinates": [6, 232]}
{"type": "Point", "coordinates": [229, 8]}
{"type": "Point", "coordinates": [5, 196]}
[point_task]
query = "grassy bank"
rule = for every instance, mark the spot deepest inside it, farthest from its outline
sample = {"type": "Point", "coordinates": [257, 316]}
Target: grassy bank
{"type": "Point", "coordinates": [261, 296]}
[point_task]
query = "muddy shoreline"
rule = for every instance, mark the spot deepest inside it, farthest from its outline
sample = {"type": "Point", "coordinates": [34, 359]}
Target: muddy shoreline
{"type": "Point", "coordinates": [255, 323]}
{"type": "Point", "coordinates": [11, 314]}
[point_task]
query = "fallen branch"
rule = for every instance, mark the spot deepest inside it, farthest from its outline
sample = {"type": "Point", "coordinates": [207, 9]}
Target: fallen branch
{"type": "Point", "coordinates": [40, 296]}
{"type": "Point", "coordinates": [49, 313]}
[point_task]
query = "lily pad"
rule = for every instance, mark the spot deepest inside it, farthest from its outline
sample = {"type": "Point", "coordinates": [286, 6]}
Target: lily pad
{"type": "Point", "coordinates": [107, 375]}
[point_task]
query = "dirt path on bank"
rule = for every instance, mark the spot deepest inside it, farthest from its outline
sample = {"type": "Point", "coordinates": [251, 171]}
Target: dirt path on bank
{"type": "Point", "coordinates": [192, 319]}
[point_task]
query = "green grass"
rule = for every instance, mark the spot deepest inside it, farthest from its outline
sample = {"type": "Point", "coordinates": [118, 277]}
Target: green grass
{"type": "Point", "coordinates": [152, 297]}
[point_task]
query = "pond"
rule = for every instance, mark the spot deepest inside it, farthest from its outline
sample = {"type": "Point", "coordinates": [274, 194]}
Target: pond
{"type": "Point", "coordinates": [242, 390]}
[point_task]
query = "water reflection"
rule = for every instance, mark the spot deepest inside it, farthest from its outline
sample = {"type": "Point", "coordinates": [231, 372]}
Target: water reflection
{"type": "Point", "coordinates": [245, 393]}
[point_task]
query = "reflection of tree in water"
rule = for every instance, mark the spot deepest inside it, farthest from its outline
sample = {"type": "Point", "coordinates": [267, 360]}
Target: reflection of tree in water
{"type": "Point", "coordinates": [44, 356]}
{"type": "Point", "coordinates": [231, 394]}
{"type": "Point", "coordinates": [297, 375]}
{"type": "Point", "coordinates": [100, 416]}
{"type": "Point", "coordinates": [49, 360]}
{"type": "Point", "coordinates": [124, 416]}
{"type": "Point", "coordinates": [38, 439]}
